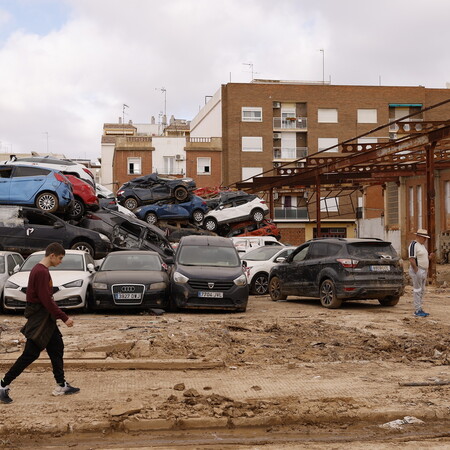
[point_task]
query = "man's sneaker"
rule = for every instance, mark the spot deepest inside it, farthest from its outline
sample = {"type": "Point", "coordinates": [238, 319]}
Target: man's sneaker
{"type": "Point", "coordinates": [421, 313]}
{"type": "Point", "coordinates": [67, 389]}
{"type": "Point", "coordinates": [4, 395]}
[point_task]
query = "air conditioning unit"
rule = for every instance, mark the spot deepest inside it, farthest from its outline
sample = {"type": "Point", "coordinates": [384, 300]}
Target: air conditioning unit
{"type": "Point", "coordinates": [277, 135]}
{"type": "Point", "coordinates": [179, 158]}
{"type": "Point", "coordinates": [392, 135]}
{"type": "Point", "coordinates": [276, 104]}
{"type": "Point", "coordinates": [276, 164]}
{"type": "Point", "coordinates": [300, 164]}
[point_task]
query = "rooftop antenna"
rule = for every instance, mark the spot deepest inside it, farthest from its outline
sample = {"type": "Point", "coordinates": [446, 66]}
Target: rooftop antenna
{"type": "Point", "coordinates": [251, 69]}
{"type": "Point", "coordinates": [163, 90]}
{"type": "Point", "coordinates": [323, 65]}
{"type": "Point", "coordinates": [123, 117]}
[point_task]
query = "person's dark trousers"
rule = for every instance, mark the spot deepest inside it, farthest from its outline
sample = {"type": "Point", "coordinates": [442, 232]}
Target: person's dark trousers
{"type": "Point", "coordinates": [55, 350]}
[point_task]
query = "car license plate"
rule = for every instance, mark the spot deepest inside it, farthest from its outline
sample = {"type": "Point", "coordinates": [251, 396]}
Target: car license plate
{"type": "Point", "coordinates": [128, 296]}
{"type": "Point", "coordinates": [380, 268]}
{"type": "Point", "coordinates": [206, 294]}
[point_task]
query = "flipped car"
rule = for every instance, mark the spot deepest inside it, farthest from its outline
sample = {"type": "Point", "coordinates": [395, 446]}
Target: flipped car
{"type": "Point", "coordinates": [27, 230]}
{"type": "Point", "coordinates": [250, 228]}
{"type": "Point", "coordinates": [71, 281]}
{"type": "Point", "coordinates": [194, 210]}
{"type": "Point", "coordinates": [152, 188]}
{"type": "Point", "coordinates": [128, 233]}
{"type": "Point", "coordinates": [46, 189]}
{"type": "Point", "coordinates": [84, 197]}
{"type": "Point", "coordinates": [131, 279]}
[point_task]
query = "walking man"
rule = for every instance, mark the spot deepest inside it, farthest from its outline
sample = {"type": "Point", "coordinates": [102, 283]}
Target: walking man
{"type": "Point", "coordinates": [419, 260]}
{"type": "Point", "coordinates": [40, 329]}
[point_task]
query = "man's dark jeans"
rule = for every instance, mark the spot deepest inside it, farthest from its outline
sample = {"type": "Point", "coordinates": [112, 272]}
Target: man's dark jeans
{"type": "Point", "coordinates": [55, 350]}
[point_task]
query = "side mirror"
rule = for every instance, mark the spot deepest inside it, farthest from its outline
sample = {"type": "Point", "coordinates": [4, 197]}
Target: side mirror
{"type": "Point", "coordinates": [91, 267]}
{"type": "Point", "coordinates": [169, 260]}
{"type": "Point", "coordinates": [15, 270]}
{"type": "Point", "coordinates": [244, 263]}
{"type": "Point", "coordinates": [280, 259]}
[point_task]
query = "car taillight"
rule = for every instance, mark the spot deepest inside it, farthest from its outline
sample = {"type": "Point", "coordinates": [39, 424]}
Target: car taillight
{"type": "Point", "coordinates": [92, 216]}
{"type": "Point", "coordinates": [88, 172]}
{"type": "Point", "coordinates": [348, 263]}
{"type": "Point", "coordinates": [119, 192]}
{"type": "Point", "coordinates": [263, 202]}
{"type": "Point", "coordinates": [60, 177]}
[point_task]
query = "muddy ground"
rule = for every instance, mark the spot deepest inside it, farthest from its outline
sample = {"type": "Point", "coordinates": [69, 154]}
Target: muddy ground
{"type": "Point", "coordinates": [289, 374]}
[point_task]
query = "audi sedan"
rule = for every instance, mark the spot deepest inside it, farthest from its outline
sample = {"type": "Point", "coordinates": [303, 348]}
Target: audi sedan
{"type": "Point", "coordinates": [134, 279]}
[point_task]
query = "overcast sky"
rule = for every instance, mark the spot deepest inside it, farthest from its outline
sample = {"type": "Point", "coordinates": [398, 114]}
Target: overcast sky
{"type": "Point", "coordinates": [68, 66]}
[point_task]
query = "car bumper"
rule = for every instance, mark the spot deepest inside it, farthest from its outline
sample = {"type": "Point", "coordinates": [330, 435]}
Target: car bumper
{"type": "Point", "coordinates": [103, 299]}
{"type": "Point", "coordinates": [369, 289]}
{"type": "Point", "coordinates": [102, 249]}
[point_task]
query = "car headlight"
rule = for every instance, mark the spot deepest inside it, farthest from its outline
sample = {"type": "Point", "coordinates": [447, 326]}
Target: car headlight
{"type": "Point", "coordinates": [180, 278]}
{"type": "Point", "coordinates": [240, 281]}
{"type": "Point", "coordinates": [103, 237]}
{"type": "Point", "coordinates": [160, 285]}
{"type": "Point", "coordinates": [76, 283]}
{"type": "Point", "coordinates": [11, 285]}
{"type": "Point", "coordinates": [99, 285]}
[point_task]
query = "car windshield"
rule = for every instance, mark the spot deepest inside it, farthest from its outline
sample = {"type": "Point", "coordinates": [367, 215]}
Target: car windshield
{"type": "Point", "coordinates": [69, 262]}
{"type": "Point", "coordinates": [261, 253]}
{"type": "Point", "coordinates": [372, 250]}
{"type": "Point", "coordinates": [208, 255]}
{"type": "Point", "coordinates": [131, 262]}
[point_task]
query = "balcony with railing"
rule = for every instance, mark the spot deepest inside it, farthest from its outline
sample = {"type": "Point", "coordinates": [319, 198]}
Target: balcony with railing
{"type": "Point", "coordinates": [406, 126]}
{"type": "Point", "coordinates": [289, 153]}
{"type": "Point", "coordinates": [291, 213]}
{"type": "Point", "coordinates": [290, 123]}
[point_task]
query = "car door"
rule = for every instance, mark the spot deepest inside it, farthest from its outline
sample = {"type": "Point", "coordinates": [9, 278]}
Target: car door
{"type": "Point", "coordinates": [313, 265]}
{"type": "Point", "coordinates": [26, 183]}
{"type": "Point", "coordinates": [293, 276]}
{"type": "Point", "coordinates": [41, 229]}
{"type": "Point", "coordinates": [5, 183]}
{"type": "Point", "coordinates": [155, 192]}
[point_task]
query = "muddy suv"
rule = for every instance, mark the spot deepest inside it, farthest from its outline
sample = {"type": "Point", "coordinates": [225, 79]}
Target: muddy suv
{"type": "Point", "coordinates": [339, 269]}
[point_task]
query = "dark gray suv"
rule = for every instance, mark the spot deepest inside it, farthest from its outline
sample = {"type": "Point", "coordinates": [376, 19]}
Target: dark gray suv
{"type": "Point", "coordinates": [339, 269]}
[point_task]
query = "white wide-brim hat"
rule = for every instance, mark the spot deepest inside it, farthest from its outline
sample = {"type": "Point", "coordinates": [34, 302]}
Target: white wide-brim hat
{"type": "Point", "coordinates": [422, 232]}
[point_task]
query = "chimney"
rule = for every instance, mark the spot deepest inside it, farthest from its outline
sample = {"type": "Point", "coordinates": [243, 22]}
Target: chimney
{"type": "Point", "coordinates": [172, 119]}
{"type": "Point", "coordinates": [130, 122]}
{"type": "Point", "coordinates": [152, 120]}
{"type": "Point", "coordinates": [120, 120]}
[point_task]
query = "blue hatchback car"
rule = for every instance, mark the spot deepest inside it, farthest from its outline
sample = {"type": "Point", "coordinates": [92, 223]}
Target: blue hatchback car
{"type": "Point", "coordinates": [193, 210]}
{"type": "Point", "coordinates": [46, 189]}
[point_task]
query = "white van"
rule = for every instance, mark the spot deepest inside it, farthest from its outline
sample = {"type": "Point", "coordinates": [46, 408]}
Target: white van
{"type": "Point", "coordinates": [245, 243]}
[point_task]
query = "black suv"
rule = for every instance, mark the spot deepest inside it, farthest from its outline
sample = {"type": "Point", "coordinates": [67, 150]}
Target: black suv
{"type": "Point", "coordinates": [338, 269]}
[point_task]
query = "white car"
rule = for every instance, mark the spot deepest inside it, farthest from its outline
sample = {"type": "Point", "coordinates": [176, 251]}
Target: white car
{"type": "Point", "coordinates": [71, 281]}
{"type": "Point", "coordinates": [245, 244]}
{"type": "Point", "coordinates": [66, 166]}
{"type": "Point", "coordinates": [235, 210]}
{"type": "Point", "coordinates": [8, 262]}
{"type": "Point", "coordinates": [258, 263]}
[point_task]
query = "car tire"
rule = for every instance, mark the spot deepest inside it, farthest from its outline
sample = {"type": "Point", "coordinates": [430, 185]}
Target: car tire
{"type": "Point", "coordinates": [328, 297]}
{"type": "Point", "coordinates": [83, 246]}
{"type": "Point", "coordinates": [130, 203]}
{"type": "Point", "coordinates": [210, 224]}
{"type": "Point", "coordinates": [260, 284]}
{"type": "Point", "coordinates": [257, 215]}
{"type": "Point", "coordinates": [47, 201]}
{"type": "Point", "coordinates": [390, 300]}
{"type": "Point", "coordinates": [275, 290]}
{"type": "Point", "coordinates": [181, 193]}
{"type": "Point", "coordinates": [151, 218]}
{"type": "Point", "coordinates": [88, 301]}
{"type": "Point", "coordinates": [198, 216]}
{"type": "Point", "coordinates": [78, 209]}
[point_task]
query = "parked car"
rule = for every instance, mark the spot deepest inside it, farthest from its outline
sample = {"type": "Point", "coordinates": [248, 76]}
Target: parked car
{"type": "Point", "coordinates": [131, 279]}
{"type": "Point", "coordinates": [9, 261]}
{"type": "Point", "coordinates": [128, 233]}
{"type": "Point", "coordinates": [85, 198]}
{"type": "Point", "coordinates": [223, 197]}
{"type": "Point", "coordinates": [207, 273]}
{"type": "Point", "coordinates": [244, 244]}
{"type": "Point", "coordinates": [250, 228]}
{"type": "Point", "coordinates": [27, 230]}
{"type": "Point", "coordinates": [71, 281]}
{"type": "Point", "coordinates": [236, 210]}
{"type": "Point", "coordinates": [152, 188]}
{"type": "Point", "coordinates": [339, 269]}
{"type": "Point", "coordinates": [66, 166]}
{"type": "Point", "coordinates": [257, 264]}
{"type": "Point", "coordinates": [46, 189]}
{"type": "Point", "coordinates": [194, 210]}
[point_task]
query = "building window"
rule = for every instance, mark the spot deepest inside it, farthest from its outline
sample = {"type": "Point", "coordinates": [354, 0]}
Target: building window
{"type": "Point", "coordinates": [324, 143]}
{"type": "Point", "coordinates": [251, 114]}
{"type": "Point", "coordinates": [367, 116]}
{"type": "Point", "coordinates": [419, 207]}
{"type": "Point", "coordinates": [203, 166]}
{"type": "Point", "coordinates": [327, 115]}
{"type": "Point", "coordinates": [252, 144]}
{"type": "Point", "coordinates": [169, 164]}
{"type": "Point", "coordinates": [250, 172]}
{"type": "Point", "coordinates": [134, 166]}
{"type": "Point", "coordinates": [329, 204]}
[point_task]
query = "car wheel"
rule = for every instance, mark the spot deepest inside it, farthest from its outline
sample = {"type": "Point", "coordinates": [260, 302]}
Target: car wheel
{"type": "Point", "coordinates": [47, 201]}
{"type": "Point", "coordinates": [151, 218]}
{"type": "Point", "coordinates": [198, 216]}
{"type": "Point", "coordinates": [328, 297]}
{"type": "Point", "coordinates": [258, 215]}
{"type": "Point", "coordinates": [275, 290]}
{"type": "Point", "coordinates": [88, 301]}
{"type": "Point", "coordinates": [78, 209]}
{"type": "Point", "coordinates": [390, 300]}
{"type": "Point", "coordinates": [260, 284]}
{"type": "Point", "coordinates": [130, 203]}
{"type": "Point", "coordinates": [83, 246]}
{"type": "Point", "coordinates": [210, 224]}
{"type": "Point", "coordinates": [181, 194]}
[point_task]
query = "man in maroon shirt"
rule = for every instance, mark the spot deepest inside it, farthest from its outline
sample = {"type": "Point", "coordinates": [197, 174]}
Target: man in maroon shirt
{"type": "Point", "coordinates": [41, 330]}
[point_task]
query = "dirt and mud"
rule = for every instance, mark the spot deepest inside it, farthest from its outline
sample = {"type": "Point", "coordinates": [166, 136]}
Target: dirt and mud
{"type": "Point", "coordinates": [282, 375]}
